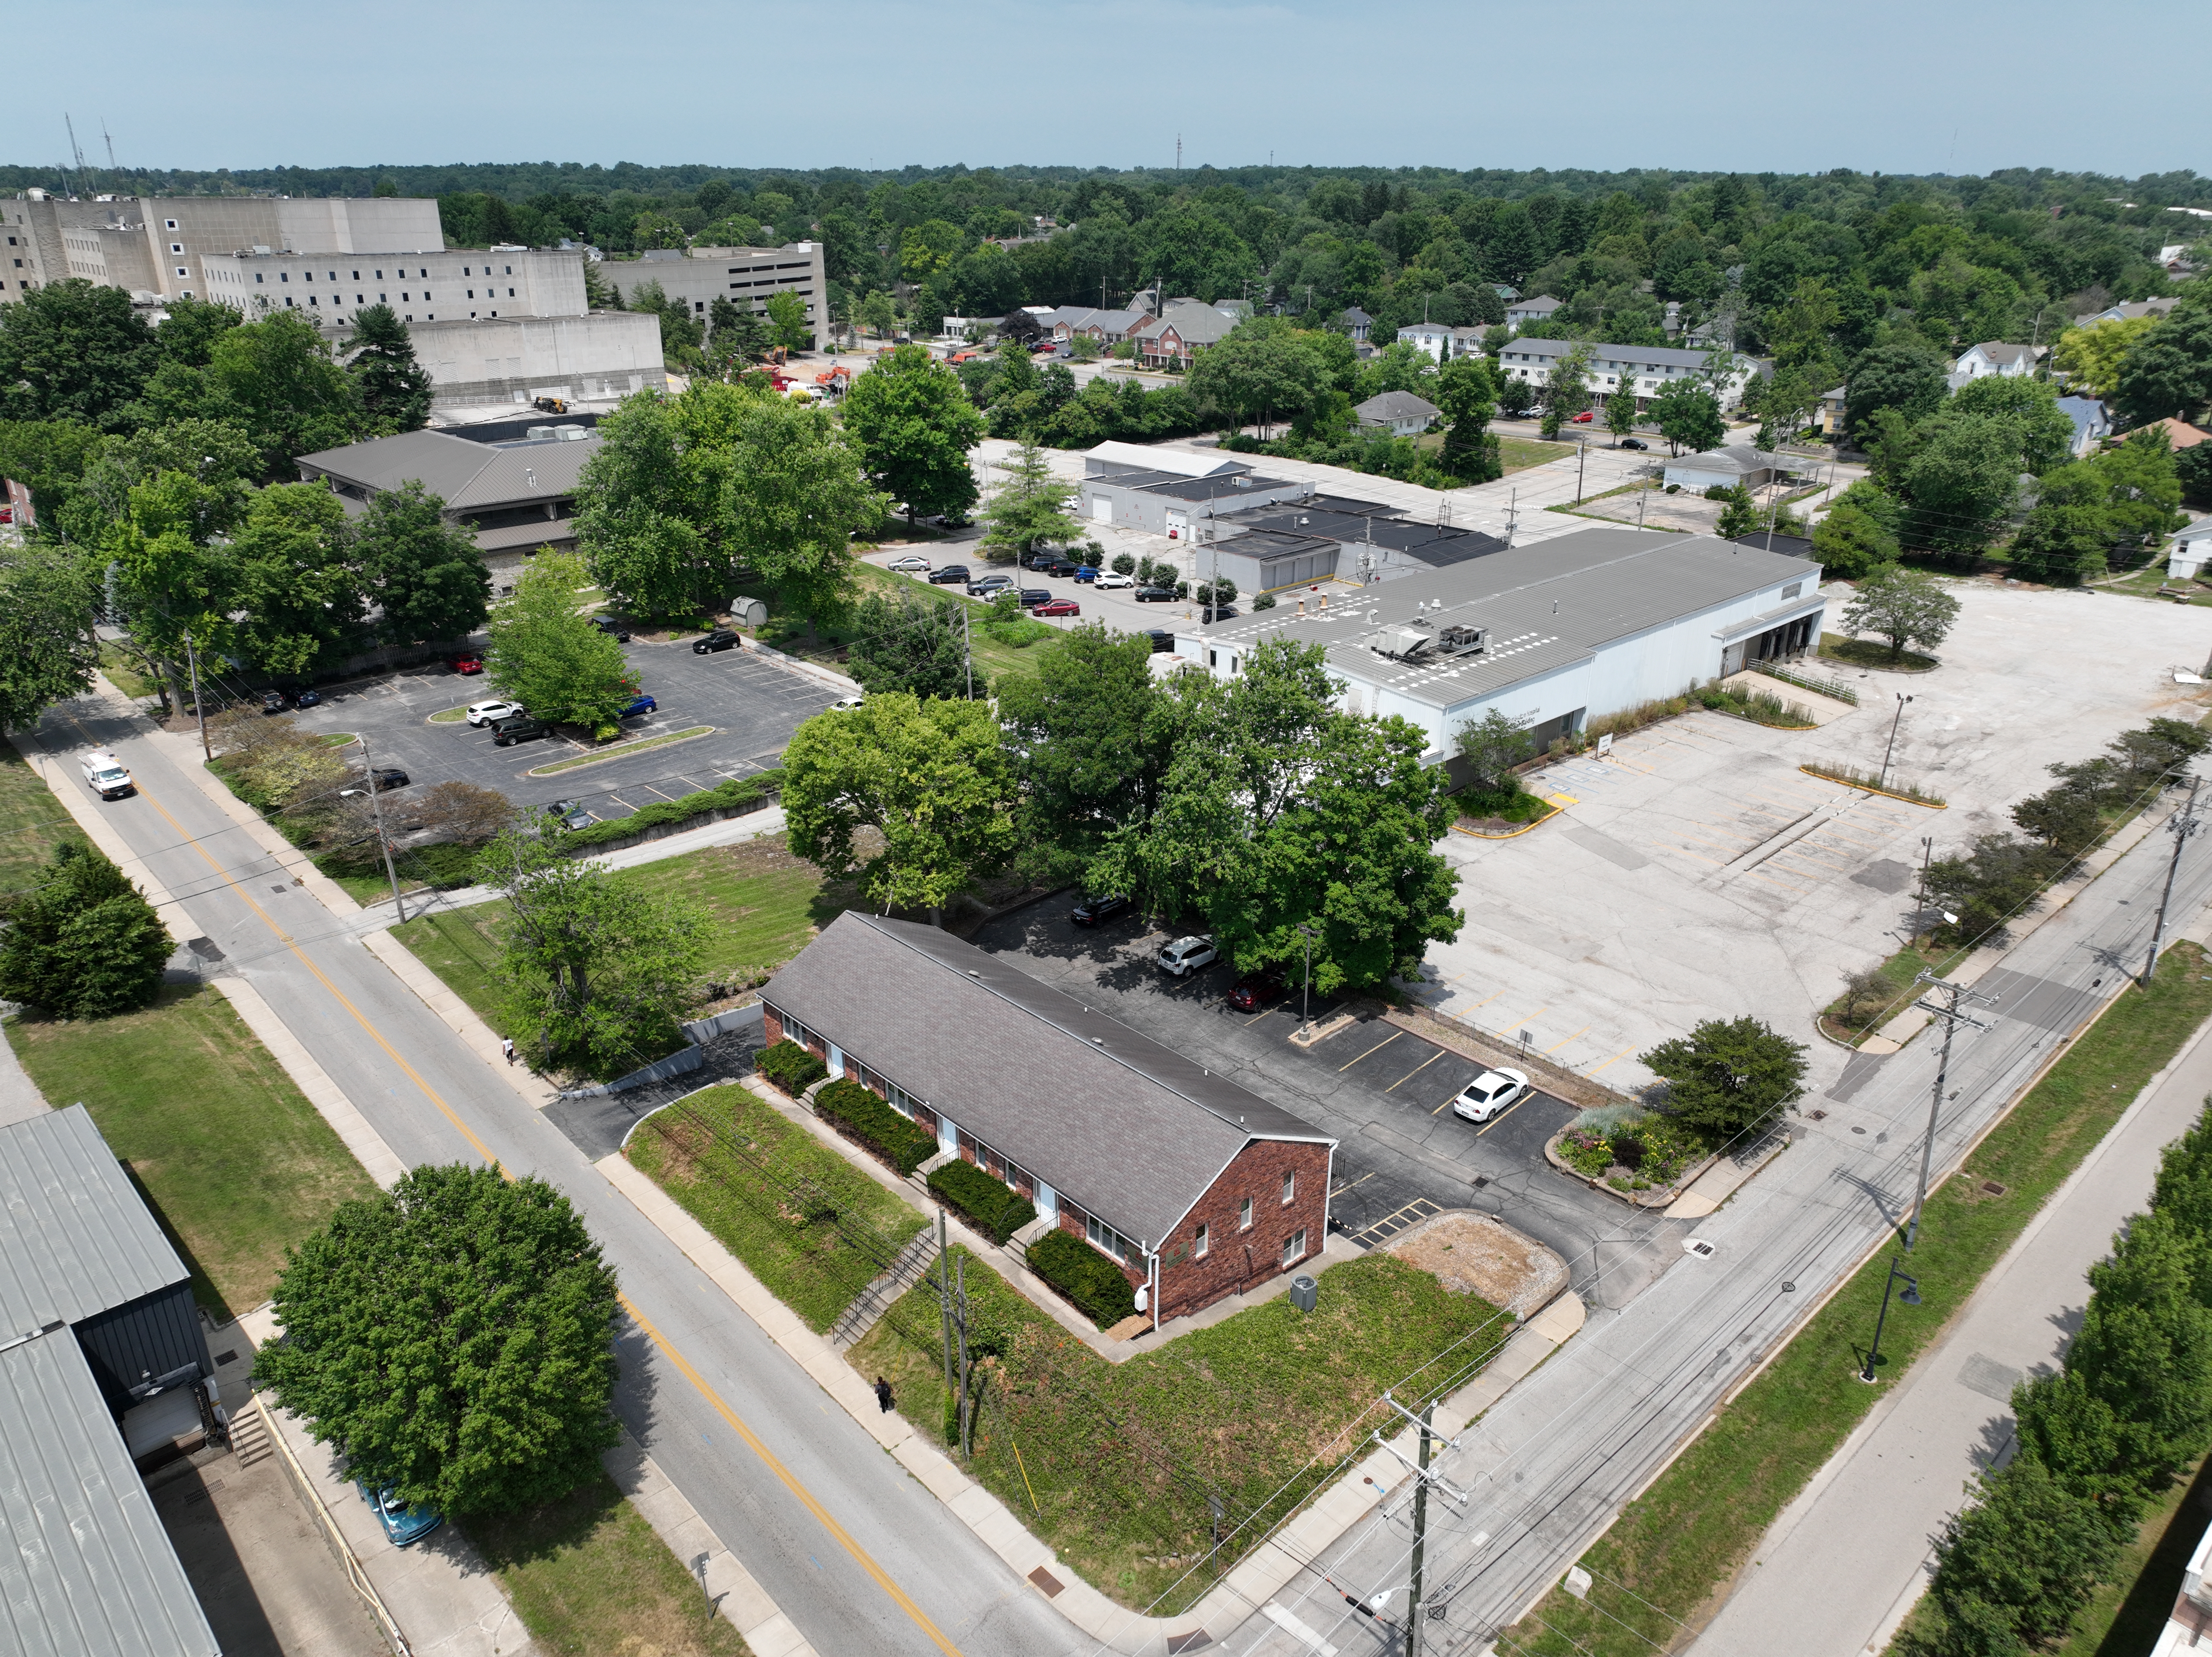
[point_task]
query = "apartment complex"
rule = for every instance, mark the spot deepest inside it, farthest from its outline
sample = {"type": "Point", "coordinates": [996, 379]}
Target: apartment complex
{"type": "Point", "coordinates": [746, 276]}
{"type": "Point", "coordinates": [1650, 368]}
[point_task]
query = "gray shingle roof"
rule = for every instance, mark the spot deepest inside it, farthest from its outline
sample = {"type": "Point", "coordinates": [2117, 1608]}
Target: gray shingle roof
{"type": "Point", "coordinates": [85, 1568]}
{"type": "Point", "coordinates": [1737, 458]}
{"type": "Point", "coordinates": [1542, 306]}
{"type": "Point", "coordinates": [2001, 351]}
{"type": "Point", "coordinates": [1637, 356]}
{"type": "Point", "coordinates": [1125, 1128]}
{"type": "Point", "coordinates": [1390, 406]}
{"type": "Point", "coordinates": [464, 475]}
{"type": "Point", "coordinates": [74, 1238]}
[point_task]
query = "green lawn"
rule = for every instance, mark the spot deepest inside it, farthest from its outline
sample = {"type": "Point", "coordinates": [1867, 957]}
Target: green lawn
{"type": "Point", "coordinates": [230, 1155]}
{"type": "Point", "coordinates": [801, 1250]}
{"type": "Point", "coordinates": [1661, 1568]}
{"type": "Point", "coordinates": [991, 657]}
{"type": "Point", "coordinates": [588, 1577]}
{"type": "Point", "coordinates": [1111, 1464]}
{"type": "Point", "coordinates": [764, 903]}
{"type": "Point", "coordinates": [2145, 582]}
{"type": "Point", "coordinates": [1519, 452]}
{"type": "Point", "coordinates": [32, 821]}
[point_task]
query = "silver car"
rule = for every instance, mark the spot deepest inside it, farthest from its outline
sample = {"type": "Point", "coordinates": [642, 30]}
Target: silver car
{"type": "Point", "coordinates": [1188, 955]}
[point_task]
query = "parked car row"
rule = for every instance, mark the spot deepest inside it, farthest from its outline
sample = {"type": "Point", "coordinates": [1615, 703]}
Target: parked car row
{"type": "Point", "coordinates": [510, 722]}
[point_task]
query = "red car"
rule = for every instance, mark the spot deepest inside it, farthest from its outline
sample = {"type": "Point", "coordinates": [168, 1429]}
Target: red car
{"type": "Point", "coordinates": [1259, 990]}
{"type": "Point", "coordinates": [1057, 607]}
{"type": "Point", "coordinates": [1584, 417]}
{"type": "Point", "coordinates": [467, 664]}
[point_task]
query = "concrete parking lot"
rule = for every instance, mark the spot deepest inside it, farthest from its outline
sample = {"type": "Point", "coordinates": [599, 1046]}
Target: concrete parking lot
{"type": "Point", "coordinates": [1383, 1091]}
{"type": "Point", "coordinates": [752, 703]}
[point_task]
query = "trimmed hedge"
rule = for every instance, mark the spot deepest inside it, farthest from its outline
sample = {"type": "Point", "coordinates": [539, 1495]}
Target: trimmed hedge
{"type": "Point", "coordinates": [737, 791]}
{"type": "Point", "coordinates": [862, 1115]}
{"type": "Point", "coordinates": [989, 1204]}
{"type": "Point", "coordinates": [791, 1067]}
{"type": "Point", "coordinates": [1087, 1276]}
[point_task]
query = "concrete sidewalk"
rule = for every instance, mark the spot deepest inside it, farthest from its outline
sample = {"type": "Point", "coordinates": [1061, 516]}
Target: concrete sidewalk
{"type": "Point", "coordinates": [1863, 1531]}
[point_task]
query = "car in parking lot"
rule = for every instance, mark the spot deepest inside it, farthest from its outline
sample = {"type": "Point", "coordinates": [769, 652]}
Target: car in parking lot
{"type": "Point", "coordinates": [522, 728]}
{"type": "Point", "coordinates": [403, 1524]}
{"type": "Point", "coordinates": [492, 712]}
{"type": "Point", "coordinates": [1155, 595]}
{"type": "Point", "coordinates": [384, 778]}
{"type": "Point", "coordinates": [639, 704]}
{"type": "Point", "coordinates": [1057, 607]}
{"type": "Point", "coordinates": [1188, 955]}
{"type": "Point", "coordinates": [1217, 613]}
{"type": "Point", "coordinates": [950, 575]}
{"type": "Point", "coordinates": [913, 564]}
{"type": "Point", "coordinates": [1035, 595]}
{"type": "Point", "coordinates": [984, 586]}
{"type": "Point", "coordinates": [1063, 567]}
{"type": "Point", "coordinates": [1086, 574]}
{"type": "Point", "coordinates": [467, 663]}
{"type": "Point", "coordinates": [1093, 910]}
{"type": "Point", "coordinates": [1110, 577]}
{"type": "Point", "coordinates": [309, 699]}
{"type": "Point", "coordinates": [1490, 1095]}
{"type": "Point", "coordinates": [1256, 989]}
{"type": "Point", "coordinates": [1040, 558]}
{"type": "Point", "coordinates": [844, 704]}
{"type": "Point", "coordinates": [105, 775]}
{"type": "Point", "coordinates": [1163, 641]}
{"type": "Point", "coordinates": [1633, 443]}
{"type": "Point", "coordinates": [570, 814]}
{"type": "Point", "coordinates": [720, 638]}
{"type": "Point", "coordinates": [612, 628]}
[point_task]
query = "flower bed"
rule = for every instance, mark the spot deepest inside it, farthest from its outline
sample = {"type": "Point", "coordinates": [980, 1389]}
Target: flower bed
{"type": "Point", "coordinates": [1084, 1276]}
{"type": "Point", "coordinates": [988, 1205]}
{"type": "Point", "coordinates": [860, 1115]}
{"type": "Point", "coordinates": [1632, 1152]}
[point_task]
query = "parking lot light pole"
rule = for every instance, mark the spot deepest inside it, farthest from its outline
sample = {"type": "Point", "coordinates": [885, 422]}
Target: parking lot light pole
{"type": "Point", "coordinates": [1894, 719]}
{"type": "Point", "coordinates": [1910, 1297]}
{"type": "Point", "coordinates": [1306, 989]}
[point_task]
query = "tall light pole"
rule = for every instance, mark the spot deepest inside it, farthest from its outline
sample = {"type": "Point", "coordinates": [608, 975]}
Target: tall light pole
{"type": "Point", "coordinates": [1901, 700]}
{"type": "Point", "coordinates": [1305, 1002]}
{"type": "Point", "coordinates": [2181, 825]}
{"type": "Point", "coordinates": [199, 712]}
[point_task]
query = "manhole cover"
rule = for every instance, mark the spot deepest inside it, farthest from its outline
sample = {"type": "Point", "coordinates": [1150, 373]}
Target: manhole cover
{"type": "Point", "coordinates": [1858, 1130]}
{"type": "Point", "coordinates": [1789, 1287]}
{"type": "Point", "coordinates": [1993, 1189]}
{"type": "Point", "coordinates": [1818, 1115]}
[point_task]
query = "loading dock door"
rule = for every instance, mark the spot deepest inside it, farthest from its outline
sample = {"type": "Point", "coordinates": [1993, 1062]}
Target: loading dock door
{"type": "Point", "coordinates": [1101, 509]}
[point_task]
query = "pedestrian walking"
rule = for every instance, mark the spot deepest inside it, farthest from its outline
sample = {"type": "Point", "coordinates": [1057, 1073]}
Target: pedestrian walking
{"type": "Point", "coordinates": [506, 1047]}
{"type": "Point", "coordinates": [883, 1399]}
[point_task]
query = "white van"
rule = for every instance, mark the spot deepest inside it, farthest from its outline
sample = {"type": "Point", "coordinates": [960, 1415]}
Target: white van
{"type": "Point", "coordinates": [105, 775]}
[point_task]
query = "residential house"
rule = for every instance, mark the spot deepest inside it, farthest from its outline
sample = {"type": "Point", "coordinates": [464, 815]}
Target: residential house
{"type": "Point", "coordinates": [1441, 340]}
{"type": "Point", "coordinates": [1196, 1187]}
{"type": "Point", "coordinates": [1725, 468]}
{"type": "Point", "coordinates": [2180, 434]}
{"type": "Point", "coordinates": [1106, 327]}
{"type": "Point", "coordinates": [2130, 312]}
{"type": "Point", "coordinates": [1402, 414]}
{"type": "Point", "coordinates": [2191, 551]}
{"type": "Point", "coordinates": [1525, 313]}
{"type": "Point", "coordinates": [1994, 357]}
{"type": "Point", "coordinates": [1357, 322]}
{"type": "Point", "coordinates": [2093, 423]}
{"type": "Point", "coordinates": [1650, 368]}
{"type": "Point", "coordinates": [1181, 333]}
{"type": "Point", "coordinates": [1829, 417]}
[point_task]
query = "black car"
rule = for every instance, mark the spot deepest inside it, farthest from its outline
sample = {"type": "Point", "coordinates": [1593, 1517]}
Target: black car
{"type": "Point", "coordinates": [1155, 595]}
{"type": "Point", "coordinates": [507, 732]}
{"type": "Point", "coordinates": [1042, 558]}
{"type": "Point", "coordinates": [389, 776]}
{"type": "Point", "coordinates": [1221, 614]}
{"type": "Point", "coordinates": [1035, 595]}
{"type": "Point", "coordinates": [1633, 443]}
{"type": "Point", "coordinates": [1162, 639]}
{"type": "Point", "coordinates": [1092, 910]}
{"type": "Point", "coordinates": [1062, 567]}
{"type": "Point", "coordinates": [609, 625]}
{"type": "Point", "coordinates": [309, 699]}
{"type": "Point", "coordinates": [989, 584]}
{"type": "Point", "coordinates": [720, 638]}
{"type": "Point", "coordinates": [950, 574]}
{"type": "Point", "coordinates": [272, 701]}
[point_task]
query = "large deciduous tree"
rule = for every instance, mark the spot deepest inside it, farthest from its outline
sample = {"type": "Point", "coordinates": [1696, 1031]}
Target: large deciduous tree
{"type": "Point", "coordinates": [550, 657]}
{"type": "Point", "coordinates": [426, 576]}
{"type": "Point", "coordinates": [1905, 606]}
{"type": "Point", "coordinates": [931, 779]}
{"type": "Point", "coordinates": [795, 498]}
{"type": "Point", "coordinates": [2168, 371]}
{"type": "Point", "coordinates": [452, 1338]}
{"type": "Point", "coordinates": [48, 651]}
{"type": "Point", "coordinates": [913, 426]}
{"type": "Point", "coordinates": [1688, 417]}
{"type": "Point", "coordinates": [83, 942]}
{"type": "Point", "coordinates": [1260, 371]}
{"type": "Point", "coordinates": [1093, 731]}
{"type": "Point", "coordinates": [1467, 392]}
{"type": "Point", "coordinates": [1900, 373]}
{"type": "Point", "coordinates": [1730, 1077]}
{"type": "Point", "coordinates": [276, 379]}
{"type": "Point", "coordinates": [296, 585]}
{"type": "Point", "coordinates": [72, 351]}
{"type": "Point", "coordinates": [909, 643]}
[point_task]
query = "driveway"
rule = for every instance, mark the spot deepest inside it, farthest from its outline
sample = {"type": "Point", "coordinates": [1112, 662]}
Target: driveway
{"type": "Point", "coordinates": [752, 703]}
{"type": "Point", "coordinates": [1381, 1090]}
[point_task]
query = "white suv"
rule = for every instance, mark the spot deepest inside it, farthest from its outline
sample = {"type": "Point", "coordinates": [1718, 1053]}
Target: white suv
{"type": "Point", "coordinates": [1186, 955]}
{"type": "Point", "coordinates": [490, 712]}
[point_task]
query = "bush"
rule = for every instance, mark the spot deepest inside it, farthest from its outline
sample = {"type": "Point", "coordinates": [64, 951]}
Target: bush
{"type": "Point", "coordinates": [791, 1067]}
{"type": "Point", "coordinates": [985, 1203]}
{"type": "Point", "coordinates": [1125, 563]}
{"type": "Point", "coordinates": [83, 942]}
{"type": "Point", "coordinates": [736, 793]}
{"type": "Point", "coordinates": [862, 1115]}
{"type": "Point", "coordinates": [1731, 1077]}
{"type": "Point", "coordinates": [1087, 1276]}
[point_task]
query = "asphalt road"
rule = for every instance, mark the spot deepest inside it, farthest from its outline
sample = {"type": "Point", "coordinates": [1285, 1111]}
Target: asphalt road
{"type": "Point", "coordinates": [434, 1101]}
{"type": "Point", "coordinates": [1552, 1464]}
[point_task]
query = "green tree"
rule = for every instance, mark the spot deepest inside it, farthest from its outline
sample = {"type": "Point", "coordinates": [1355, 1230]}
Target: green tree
{"type": "Point", "coordinates": [1855, 539]}
{"type": "Point", "coordinates": [276, 379]}
{"type": "Point", "coordinates": [48, 458]}
{"type": "Point", "coordinates": [296, 583]}
{"type": "Point", "coordinates": [593, 970]}
{"type": "Point", "coordinates": [878, 315]}
{"type": "Point", "coordinates": [1030, 507]}
{"type": "Point", "coordinates": [452, 1338]}
{"type": "Point", "coordinates": [2065, 819]}
{"type": "Point", "coordinates": [1904, 606]}
{"type": "Point", "coordinates": [1467, 392]}
{"type": "Point", "coordinates": [910, 645]}
{"type": "Point", "coordinates": [217, 455]}
{"type": "Point", "coordinates": [652, 516]}
{"type": "Point", "coordinates": [547, 656]}
{"type": "Point", "coordinates": [1566, 388]}
{"type": "Point", "coordinates": [681, 333]}
{"type": "Point", "coordinates": [737, 336]}
{"type": "Point", "coordinates": [83, 942]}
{"type": "Point", "coordinates": [2045, 434]}
{"type": "Point", "coordinates": [1688, 417]}
{"type": "Point", "coordinates": [48, 650]}
{"type": "Point", "coordinates": [1620, 410]}
{"type": "Point", "coordinates": [1729, 1078]}
{"type": "Point", "coordinates": [914, 426]}
{"type": "Point", "coordinates": [394, 391]}
{"type": "Point", "coordinates": [2167, 372]}
{"type": "Point", "coordinates": [930, 778]}
{"type": "Point", "coordinates": [425, 576]}
{"type": "Point", "coordinates": [1262, 369]}
{"type": "Point", "coordinates": [786, 320]}
{"type": "Point", "coordinates": [1094, 732]}
{"type": "Point", "coordinates": [168, 582]}
{"type": "Point", "coordinates": [71, 351]}
{"type": "Point", "coordinates": [1739, 514]}
{"type": "Point", "coordinates": [795, 498]}
{"type": "Point", "coordinates": [1992, 884]}
{"type": "Point", "coordinates": [1493, 746]}
{"type": "Point", "coordinates": [1900, 373]}
{"type": "Point", "coordinates": [2013, 1569]}
{"type": "Point", "coordinates": [2091, 357]}
{"type": "Point", "coordinates": [1962, 480]}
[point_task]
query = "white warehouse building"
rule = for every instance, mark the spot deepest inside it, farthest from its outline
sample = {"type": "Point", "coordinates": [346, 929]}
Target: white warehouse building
{"type": "Point", "coordinates": [1554, 635]}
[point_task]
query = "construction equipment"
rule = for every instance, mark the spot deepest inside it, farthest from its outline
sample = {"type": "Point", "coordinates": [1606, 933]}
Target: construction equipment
{"type": "Point", "coordinates": [548, 405]}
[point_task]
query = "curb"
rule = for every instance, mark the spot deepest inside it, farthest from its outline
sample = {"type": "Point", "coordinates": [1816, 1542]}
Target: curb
{"type": "Point", "coordinates": [1869, 788]}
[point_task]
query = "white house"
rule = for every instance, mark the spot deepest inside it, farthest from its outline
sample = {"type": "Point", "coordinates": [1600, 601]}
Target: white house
{"type": "Point", "coordinates": [1739, 463]}
{"type": "Point", "coordinates": [1441, 340]}
{"type": "Point", "coordinates": [1980, 362]}
{"type": "Point", "coordinates": [1650, 368]}
{"type": "Point", "coordinates": [1531, 313]}
{"type": "Point", "coordinates": [1400, 413]}
{"type": "Point", "coordinates": [2191, 550]}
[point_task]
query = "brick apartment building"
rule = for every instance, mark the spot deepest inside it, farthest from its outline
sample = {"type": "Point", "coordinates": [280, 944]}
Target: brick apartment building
{"type": "Point", "coordinates": [1196, 1186]}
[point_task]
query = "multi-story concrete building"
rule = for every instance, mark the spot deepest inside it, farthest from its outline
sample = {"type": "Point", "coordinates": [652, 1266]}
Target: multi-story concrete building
{"type": "Point", "coordinates": [456, 285]}
{"type": "Point", "coordinates": [747, 276]}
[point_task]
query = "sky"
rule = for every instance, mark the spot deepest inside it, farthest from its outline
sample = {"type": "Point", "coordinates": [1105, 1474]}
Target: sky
{"type": "Point", "coordinates": [1893, 86]}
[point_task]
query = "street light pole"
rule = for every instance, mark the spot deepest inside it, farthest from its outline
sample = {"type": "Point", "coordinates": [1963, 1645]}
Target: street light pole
{"type": "Point", "coordinates": [1901, 700]}
{"type": "Point", "coordinates": [199, 713]}
{"type": "Point", "coordinates": [2181, 825]}
{"type": "Point", "coordinates": [1910, 1297]}
{"type": "Point", "coordinates": [1306, 989]}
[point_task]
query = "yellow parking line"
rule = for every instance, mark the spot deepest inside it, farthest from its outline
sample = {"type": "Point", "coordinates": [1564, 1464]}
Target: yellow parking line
{"type": "Point", "coordinates": [1528, 1019]}
{"type": "Point", "coordinates": [1623, 1054]}
{"type": "Point", "coordinates": [1584, 1031]}
{"type": "Point", "coordinates": [1416, 1070]}
{"type": "Point", "coordinates": [1376, 1048]}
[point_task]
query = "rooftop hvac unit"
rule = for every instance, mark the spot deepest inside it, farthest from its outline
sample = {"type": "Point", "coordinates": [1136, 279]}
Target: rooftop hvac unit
{"type": "Point", "coordinates": [537, 433]}
{"type": "Point", "coordinates": [1459, 638]}
{"type": "Point", "coordinates": [570, 433]}
{"type": "Point", "coordinates": [1403, 643]}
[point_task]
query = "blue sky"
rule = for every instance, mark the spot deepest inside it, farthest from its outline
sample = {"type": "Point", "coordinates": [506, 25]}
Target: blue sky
{"type": "Point", "coordinates": [1961, 86]}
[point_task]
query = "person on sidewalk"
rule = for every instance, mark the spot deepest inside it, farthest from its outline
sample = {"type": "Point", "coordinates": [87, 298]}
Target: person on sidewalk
{"type": "Point", "coordinates": [506, 1047]}
{"type": "Point", "coordinates": [884, 1399]}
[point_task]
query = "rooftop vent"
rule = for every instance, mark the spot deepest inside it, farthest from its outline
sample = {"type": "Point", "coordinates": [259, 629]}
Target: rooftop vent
{"type": "Point", "coordinates": [1401, 644]}
{"type": "Point", "coordinates": [570, 433]}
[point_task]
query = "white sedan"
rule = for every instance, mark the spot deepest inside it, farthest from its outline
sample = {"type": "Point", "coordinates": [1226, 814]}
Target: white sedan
{"type": "Point", "coordinates": [490, 712]}
{"type": "Point", "coordinates": [1490, 1095]}
{"type": "Point", "coordinates": [913, 563]}
{"type": "Point", "coordinates": [1113, 578]}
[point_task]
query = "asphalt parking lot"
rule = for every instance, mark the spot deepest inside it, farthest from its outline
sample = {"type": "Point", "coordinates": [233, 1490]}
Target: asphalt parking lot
{"type": "Point", "coordinates": [752, 703]}
{"type": "Point", "coordinates": [1384, 1092]}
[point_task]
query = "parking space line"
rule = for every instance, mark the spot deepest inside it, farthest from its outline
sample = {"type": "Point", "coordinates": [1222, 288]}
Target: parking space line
{"type": "Point", "coordinates": [1416, 1070]}
{"type": "Point", "coordinates": [1557, 1046]}
{"type": "Point", "coordinates": [1361, 1181]}
{"type": "Point", "coordinates": [1528, 1019]}
{"type": "Point", "coordinates": [1376, 1048]}
{"type": "Point", "coordinates": [1616, 1058]}
{"type": "Point", "coordinates": [1665, 845]}
{"type": "Point", "coordinates": [1505, 1113]}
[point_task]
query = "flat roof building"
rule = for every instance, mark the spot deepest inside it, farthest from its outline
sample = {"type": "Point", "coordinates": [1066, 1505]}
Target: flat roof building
{"type": "Point", "coordinates": [749, 276]}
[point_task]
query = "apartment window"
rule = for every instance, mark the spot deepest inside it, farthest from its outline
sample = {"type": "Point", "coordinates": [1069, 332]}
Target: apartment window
{"type": "Point", "coordinates": [357, 275]}
{"type": "Point", "coordinates": [258, 276]}
{"type": "Point", "coordinates": [288, 302]}
{"type": "Point", "coordinates": [1244, 1215]}
{"type": "Point", "coordinates": [188, 293]}
{"type": "Point", "coordinates": [174, 247]}
{"type": "Point", "coordinates": [1105, 1239]}
{"type": "Point", "coordinates": [1294, 1248]}
{"type": "Point", "coordinates": [425, 294]}
{"type": "Point", "coordinates": [494, 313]}
{"type": "Point", "coordinates": [283, 276]}
{"type": "Point", "coordinates": [465, 271]}
{"type": "Point", "coordinates": [311, 299]}
{"type": "Point", "coordinates": [473, 293]}
{"type": "Point", "coordinates": [380, 276]}
{"type": "Point", "coordinates": [510, 292]}
{"type": "Point", "coordinates": [1290, 1188]}
{"type": "Point", "coordinates": [510, 269]}
{"type": "Point", "coordinates": [171, 224]}
{"type": "Point", "coordinates": [307, 277]}
{"type": "Point", "coordinates": [332, 275]}
{"type": "Point", "coordinates": [360, 299]}
{"type": "Point", "coordinates": [180, 269]}
{"type": "Point", "coordinates": [1198, 1248]}
{"type": "Point", "coordinates": [403, 297]}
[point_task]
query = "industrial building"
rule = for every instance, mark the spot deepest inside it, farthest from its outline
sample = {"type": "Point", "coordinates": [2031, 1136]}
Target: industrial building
{"type": "Point", "coordinates": [749, 276]}
{"type": "Point", "coordinates": [1554, 635]}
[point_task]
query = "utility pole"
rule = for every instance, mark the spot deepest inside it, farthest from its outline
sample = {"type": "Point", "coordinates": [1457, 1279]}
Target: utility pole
{"type": "Point", "coordinates": [1927, 856]}
{"type": "Point", "coordinates": [1513, 519]}
{"type": "Point", "coordinates": [1901, 700]}
{"type": "Point", "coordinates": [968, 652]}
{"type": "Point", "coordinates": [1420, 1532]}
{"type": "Point", "coordinates": [1581, 452]}
{"type": "Point", "coordinates": [192, 663]}
{"type": "Point", "coordinates": [1949, 1010]}
{"type": "Point", "coordinates": [376, 815]}
{"type": "Point", "coordinates": [2181, 825]}
{"type": "Point", "coordinates": [1305, 1004]}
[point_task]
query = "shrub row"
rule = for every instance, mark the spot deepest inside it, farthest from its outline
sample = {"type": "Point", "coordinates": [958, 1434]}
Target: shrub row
{"type": "Point", "coordinates": [985, 1203]}
{"type": "Point", "coordinates": [738, 792]}
{"type": "Point", "coordinates": [1087, 1276]}
{"type": "Point", "coordinates": [862, 1115]}
{"type": "Point", "coordinates": [791, 1067]}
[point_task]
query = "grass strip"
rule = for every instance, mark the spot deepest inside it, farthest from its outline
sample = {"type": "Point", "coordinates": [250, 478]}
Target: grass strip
{"type": "Point", "coordinates": [589, 1575]}
{"type": "Point", "coordinates": [1664, 1570]}
{"type": "Point", "coordinates": [232, 1158]}
{"type": "Point", "coordinates": [449, 716]}
{"type": "Point", "coordinates": [1851, 777]}
{"type": "Point", "coordinates": [620, 751]}
{"type": "Point", "coordinates": [33, 822]}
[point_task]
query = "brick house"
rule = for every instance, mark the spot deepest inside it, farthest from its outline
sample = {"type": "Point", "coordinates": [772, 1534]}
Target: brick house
{"type": "Point", "coordinates": [1197, 1188]}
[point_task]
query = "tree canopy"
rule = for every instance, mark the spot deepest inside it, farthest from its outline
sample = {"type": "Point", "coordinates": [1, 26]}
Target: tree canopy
{"type": "Point", "coordinates": [83, 941]}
